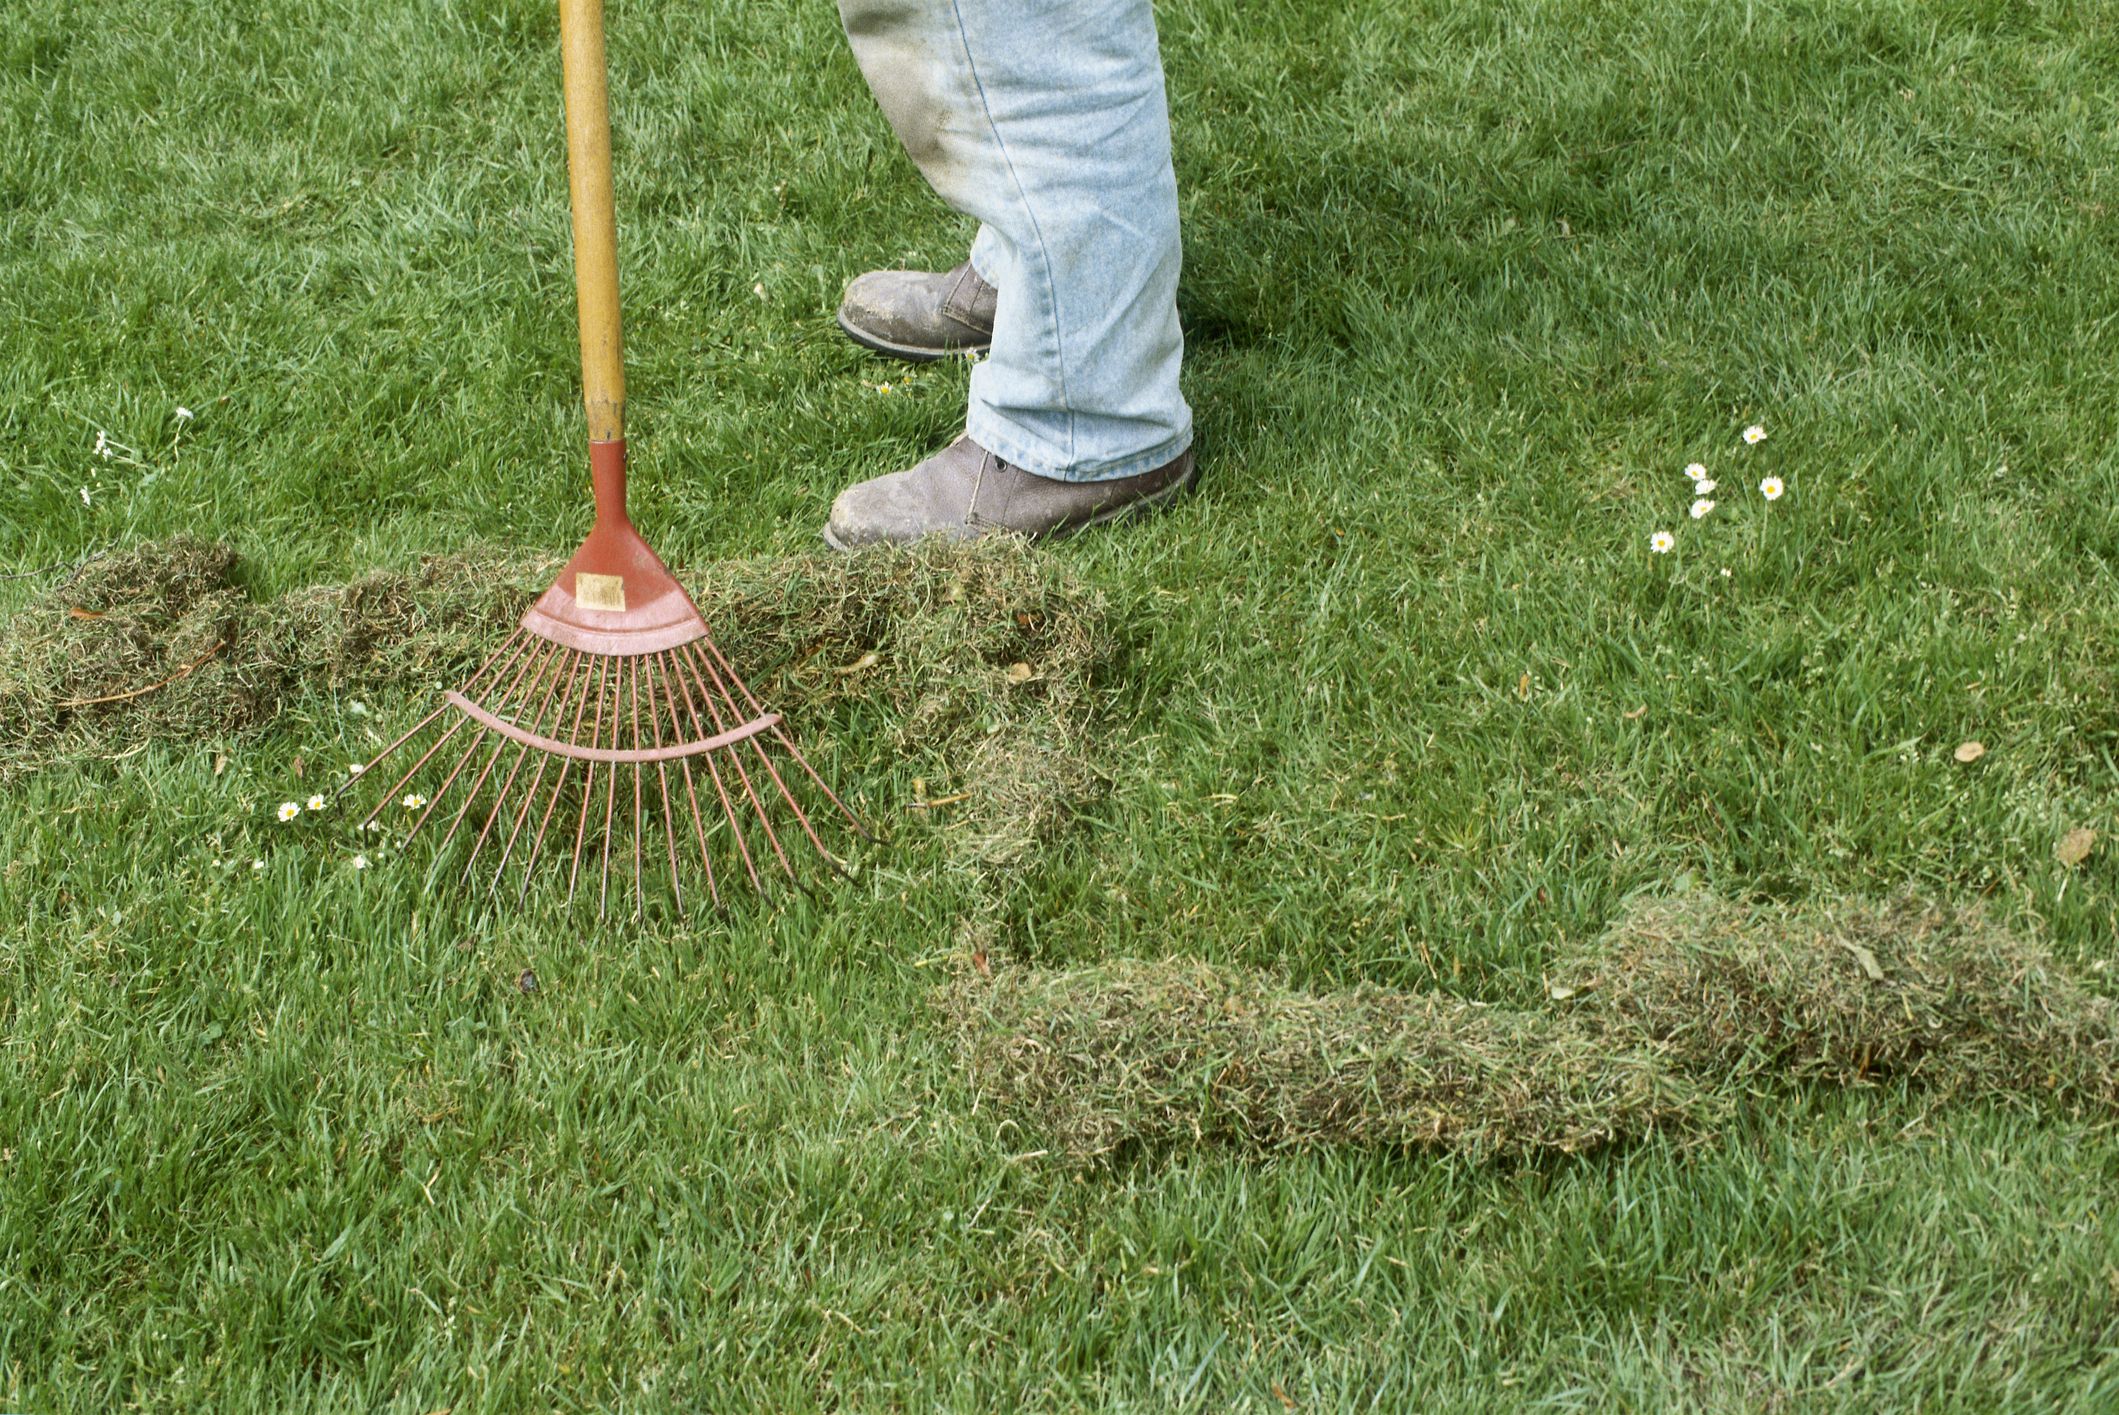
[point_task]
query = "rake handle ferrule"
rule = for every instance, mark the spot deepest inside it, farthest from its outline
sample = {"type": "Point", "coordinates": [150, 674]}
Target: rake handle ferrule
{"type": "Point", "coordinates": [607, 476]}
{"type": "Point", "coordinates": [595, 219]}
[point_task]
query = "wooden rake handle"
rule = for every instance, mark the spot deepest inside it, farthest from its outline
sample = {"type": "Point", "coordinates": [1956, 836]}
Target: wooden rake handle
{"type": "Point", "coordinates": [595, 220]}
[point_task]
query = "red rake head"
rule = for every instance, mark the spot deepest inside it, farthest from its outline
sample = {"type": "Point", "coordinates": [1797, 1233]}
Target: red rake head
{"type": "Point", "coordinates": [614, 685]}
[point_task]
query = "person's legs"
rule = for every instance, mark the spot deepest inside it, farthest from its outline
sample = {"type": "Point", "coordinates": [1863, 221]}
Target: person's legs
{"type": "Point", "coordinates": [1046, 120]}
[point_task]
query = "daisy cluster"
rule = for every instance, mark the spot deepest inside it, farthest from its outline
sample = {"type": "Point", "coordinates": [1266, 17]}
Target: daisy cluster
{"type": "Point", "coordinates": [288, 812]}
{"type": "Point", "coordinates": [1703, 489]}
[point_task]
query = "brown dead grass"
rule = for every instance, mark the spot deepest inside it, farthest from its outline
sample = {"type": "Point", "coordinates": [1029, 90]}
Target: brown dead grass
{"type": "Point", "coordinates": [974, 662]}
{"type": "Point", "coordinates": [1685, 1009]}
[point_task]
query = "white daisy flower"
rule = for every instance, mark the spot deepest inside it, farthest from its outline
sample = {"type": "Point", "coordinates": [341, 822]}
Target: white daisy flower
{"type": "Point", "coordinates": [413, 800]}
{"type": "Point", "coordinates": [84, 496]}
{"type": "Point", "coordinates": [1771, 488]}
{"type": "Point", "coordinates": [1725, 572]}
{"type": "Point", "coordinates": [184, 415]}
{"type": "Point", "coordinates": [316, 802]}
{"type": "Point", "coordinates": [1700, 508]}
{"type": "Point", "coordinates": [372, 826]}
{"type": "Point", "coordinates": [1696, 470]}
{"type": "Point", "coordinates": [1703, 487]}
{"type": "Point", "coordinates": [288, 811]}
{"type": "Point", "coordinates": [256, 865]}
{"type": "Point", "coordinates": [1754, 435]}
{"type": "Point", "coordinates": [360, 862]}
{"type": "Point", "coordinates": [354, 768]}
{"type": "Point", "coordinates": [1662, 542]}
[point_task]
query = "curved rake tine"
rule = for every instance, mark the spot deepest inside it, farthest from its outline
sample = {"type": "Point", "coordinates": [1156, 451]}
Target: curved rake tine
{"type": "Point", "coordinates": [500, 796]}
{"type": "Point", "coordinates": [735, 759]}
{"type": "Point", "coordinates": [639, 883]}
{"type": "Point", "coordinates": [789, 743]}
{"type": "Point", "coordinates": [355, 777]}
{"type": "Point", "coordinates": [566, 766]}
{"type": "Point", "coordinates": [588, 784]}
{"type": "Point", "coordinates": [454, 772]}
{"type": "Point", "coordinates": [543, 666]}
{"type": "Point", "coordinates": [714, 770]}
{"type": "Point", "coordinates": [685, 765]}
{"type": "Point", "coordinates": [436, 745]}
{"type": "Point", "coordinates": [610, 803]}
{"type": "Point", "coordinates": [662, 773]}
{"type": "Point", "coordinates": [774, 772]}
{"type": "Point", "coordinates": [529, 795]}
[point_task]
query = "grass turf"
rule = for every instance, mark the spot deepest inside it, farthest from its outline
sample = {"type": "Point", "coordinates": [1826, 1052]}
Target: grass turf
{"type": "Point", "coordinates": [1402, 701]}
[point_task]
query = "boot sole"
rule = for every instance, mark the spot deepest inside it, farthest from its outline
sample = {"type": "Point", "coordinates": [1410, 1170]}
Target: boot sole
{"type": "Point", "coordinates": [911, 353]}
{"type": "Point", "coordinates": [1152, 502]}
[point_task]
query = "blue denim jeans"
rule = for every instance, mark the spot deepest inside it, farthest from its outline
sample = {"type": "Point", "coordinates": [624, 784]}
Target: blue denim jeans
{"type": "Point", "coordinates": [1046, 120]}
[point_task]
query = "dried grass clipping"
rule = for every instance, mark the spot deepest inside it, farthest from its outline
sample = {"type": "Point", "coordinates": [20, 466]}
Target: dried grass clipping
{"type": "Point", "coordinates": [977, 663]}
{"type": "Point", "coordinates": [1153, 1054]}
{"type": "Point", "coordinates": [1850, 993]}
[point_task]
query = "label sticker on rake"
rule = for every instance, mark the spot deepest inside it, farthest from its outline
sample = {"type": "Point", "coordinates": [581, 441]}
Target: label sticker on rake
{"type": "Point", "coordinates": [599, 591]}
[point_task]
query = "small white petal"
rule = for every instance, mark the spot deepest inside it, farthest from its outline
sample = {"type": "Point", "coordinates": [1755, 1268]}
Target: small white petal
{"type": "Point", "coordinates": [1703, 486]}
{"type": "Point", "coordinates": [184, 415]}
{"type": "Point", "coordinates": [1701, 507]}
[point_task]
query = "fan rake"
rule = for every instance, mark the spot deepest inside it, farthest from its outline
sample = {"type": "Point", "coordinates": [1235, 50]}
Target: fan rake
{"type": "Point", "coordinates": [612, 674]}
{"type": "Point", "coordinates": [618, 737]}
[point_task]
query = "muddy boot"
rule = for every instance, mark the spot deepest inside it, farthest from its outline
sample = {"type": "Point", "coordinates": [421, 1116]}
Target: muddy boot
{"type": "Point", "coordinates": [911, 314]}
{"type": "Point", "coordinates": [963, 492]}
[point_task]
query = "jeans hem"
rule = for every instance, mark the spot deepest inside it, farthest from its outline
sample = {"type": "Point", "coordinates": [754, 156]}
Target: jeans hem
{"type": "Point", "coordinates": [994, 433]}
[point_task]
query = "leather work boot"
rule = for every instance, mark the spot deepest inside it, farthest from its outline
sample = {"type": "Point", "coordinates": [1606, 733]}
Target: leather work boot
{"type": "Point", "coordinates": [915, 315]}
{"type": "Point", "coordinates": [963, 492]}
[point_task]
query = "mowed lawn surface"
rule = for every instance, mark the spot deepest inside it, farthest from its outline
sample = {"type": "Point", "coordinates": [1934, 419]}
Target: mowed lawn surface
{"type": "Point", "coordinates": [1402, 698]}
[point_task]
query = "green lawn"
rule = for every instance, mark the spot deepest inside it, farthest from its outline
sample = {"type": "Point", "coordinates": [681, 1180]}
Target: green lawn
{"type": "Point", "coordinates": [1399, 697]}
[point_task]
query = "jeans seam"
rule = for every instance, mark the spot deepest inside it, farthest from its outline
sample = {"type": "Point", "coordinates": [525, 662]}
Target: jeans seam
{"type": "Point", "coordinates": [1059, 338]}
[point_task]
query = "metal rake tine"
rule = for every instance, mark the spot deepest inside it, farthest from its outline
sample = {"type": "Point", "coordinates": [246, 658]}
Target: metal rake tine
{"type": "Point", "coordinates": [788, 742]}
{"type": "Point", "coordinates": [432, 748]}
{"type": "Point", "coordinates": [566, 766]}
{"type": "Point", "coordinates": [735, 759]}
{"type": "Point", "coordinates": [692, 792]}
{"type": "Point", "coordinates": [774, 772]}
{"type": "Point", "coordinates": [610, 804]}
{"type": "Point", "coordinates": [529, 795]}
{"type": "Point", "coordinates": [464, 761]}
{"type": "Point", "coordinates": [662, 773]}
{"type": "Point", "coordinates": [543, 666]}
{"type": "Point", "coordinates": [727, 807]}
{"type": "Point", "coordinates": [639, 880]}
{"type": "Point", "coordinates": [588, 784]}
{"type": "Point", "coordinates": [354, 778]}
{"type": "Point", "coordinates": [522, 753]}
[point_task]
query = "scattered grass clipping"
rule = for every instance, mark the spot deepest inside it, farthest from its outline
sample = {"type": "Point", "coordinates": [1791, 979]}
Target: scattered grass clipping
{"type": "Point", "coordinates": [1686, 1009]}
